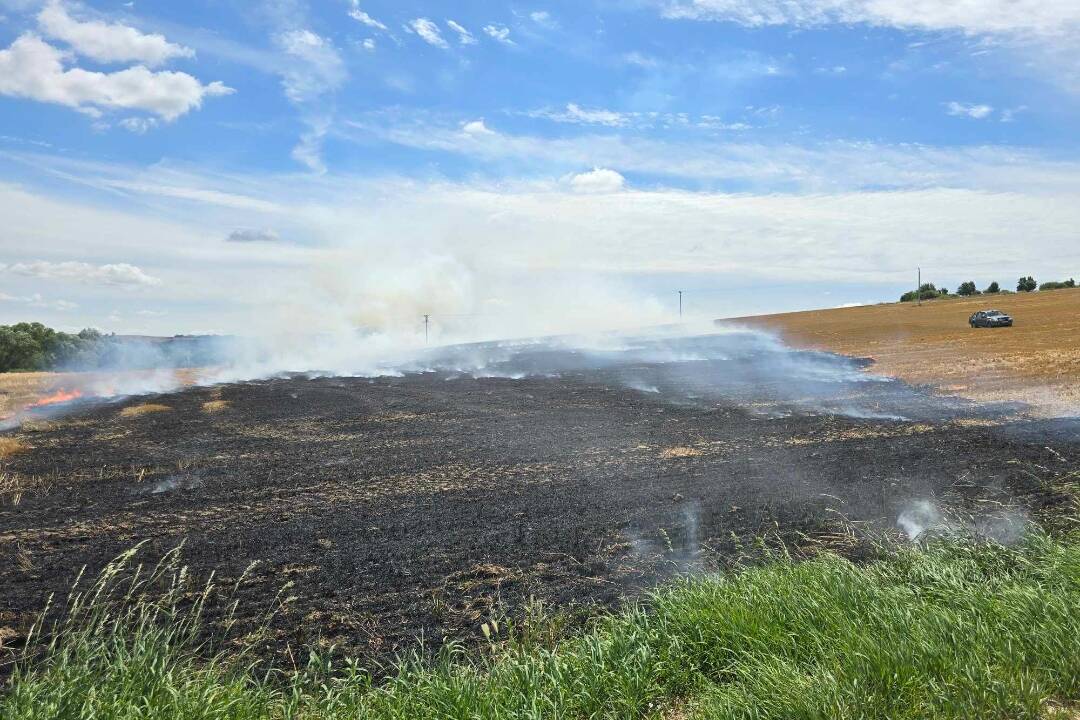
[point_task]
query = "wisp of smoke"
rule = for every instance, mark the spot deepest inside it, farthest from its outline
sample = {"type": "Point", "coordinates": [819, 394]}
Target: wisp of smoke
{"type": "Point", "coordinates": [922, 517]}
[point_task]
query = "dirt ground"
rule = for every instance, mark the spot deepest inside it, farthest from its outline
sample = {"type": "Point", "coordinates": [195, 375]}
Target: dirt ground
{"type": "Point", "coordinates": [421, 506]}
{"type": "Point", "coordinates": [1037, 361]}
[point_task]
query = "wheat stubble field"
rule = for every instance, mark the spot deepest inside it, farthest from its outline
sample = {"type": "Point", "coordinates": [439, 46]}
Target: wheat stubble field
{"type": "Point", "coordinates": [1037, 361]}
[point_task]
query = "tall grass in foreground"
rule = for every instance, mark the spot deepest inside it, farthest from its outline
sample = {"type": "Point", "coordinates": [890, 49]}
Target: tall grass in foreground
{"type": "Point", "coordinates": [956, 630]}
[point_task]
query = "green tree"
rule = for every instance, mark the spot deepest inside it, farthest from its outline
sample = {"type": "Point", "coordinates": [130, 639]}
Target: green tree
{"type": "Point", "coordinates": [993, 288]}
{"type": "Point", "coordinates": [967, 288]}
{"type": "Point", "coordinates": [927, 291]}
{"type": "Point", "coordinates": [32, 346]}
{"type": "Point", "coordinates": [1026, 284]}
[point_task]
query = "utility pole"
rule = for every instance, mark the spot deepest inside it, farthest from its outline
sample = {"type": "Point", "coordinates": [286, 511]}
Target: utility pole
{"type": "Point", "coordinates": [680, 304]}
{"type": "Point", "coordinates": [427, 318]}
{"type": "Point", "coordinates": [918, 288]}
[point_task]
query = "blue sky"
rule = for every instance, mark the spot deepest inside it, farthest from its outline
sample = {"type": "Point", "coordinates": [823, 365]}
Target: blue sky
{"type": "Point", "coordinates": [207, 166]}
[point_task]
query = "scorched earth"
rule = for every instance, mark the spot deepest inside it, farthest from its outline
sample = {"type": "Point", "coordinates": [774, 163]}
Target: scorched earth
{"type": "Point", "coordinates": [421, 505]}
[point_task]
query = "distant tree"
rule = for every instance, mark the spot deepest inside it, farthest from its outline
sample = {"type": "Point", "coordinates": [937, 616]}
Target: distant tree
{"type": "Point", "coordinates": [967, 288]}
{"type": "Point", "coordinates": [1026, 284]}
{"type": "Point", "coordinates": [1070, 283]}
{"type": "Point", "coordinates": [992, 288]}
{"type": "Point", "coordinates": [32, 346]}
{"type": "Point", "coordinates": [927, 291]}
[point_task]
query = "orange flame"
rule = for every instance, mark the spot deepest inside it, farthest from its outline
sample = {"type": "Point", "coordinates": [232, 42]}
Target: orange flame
{"type": "Point", "coordinates": [61, 396]}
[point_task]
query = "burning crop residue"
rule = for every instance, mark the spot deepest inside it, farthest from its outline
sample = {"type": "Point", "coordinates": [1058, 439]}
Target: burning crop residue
{"type": "Point", "coordinates": [54, 403]}
{"type": "Point", "coordinates": [57, 398]}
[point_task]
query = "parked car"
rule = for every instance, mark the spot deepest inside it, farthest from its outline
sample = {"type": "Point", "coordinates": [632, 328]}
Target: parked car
{"type": "Point", "coordinates": [990, 318]}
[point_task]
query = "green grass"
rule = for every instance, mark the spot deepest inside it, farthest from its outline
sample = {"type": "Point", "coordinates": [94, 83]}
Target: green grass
{"type": "Point", "coordinates": [955, 630]}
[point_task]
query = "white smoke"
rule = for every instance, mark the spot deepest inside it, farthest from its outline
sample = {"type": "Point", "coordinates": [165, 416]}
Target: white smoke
{"type": "Point", "coordinates": [922, 517]}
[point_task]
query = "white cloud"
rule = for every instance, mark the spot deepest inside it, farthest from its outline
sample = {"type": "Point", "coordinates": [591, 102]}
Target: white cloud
{"type": "Point", "coordinates": [598, 180]}
{"type": "Point", "coordinates": [111, 274]}
{"type": "Point", "coordinates": [576, 114]}
{"type": "Point", "coordinates": [138, 125]}
{"type": "Point", "coordinates": [464, 36]}
{"type": "Point", "coordinates": [360, 16]}
{"type": "Point", "coordinates": [638, 59]}
{"type": "Point", "coordinates": [1008, 115]}
{"type": "Point", "coordinates": [500, 33]}
{"type": "Point", "coordinates": [832, 229]}
{"type": "Point", "coordinates": [543, 18]}
{"type": "Point", "coordinates": [428, 31]}
{"type": "Point", "coordinates": [320, 69]}
{"type": "Point", "coordinates": [31, 68]}
{"type": "Point", "coordinates": [976, 112]}
{"type": "Point", "coordinates": [477, 128]}
{"type": "Point", "coordinates": [308, 151]}
{"type": "Point", "coordinates": [836, 165]}
{"type": "Point", "coordinates": [108, 42]}
{"type": "Point", "coordinates": [1049, 17]}
{"type": "Point", "coordinates": [368, 44]}
{"type": "Point", "coordinates": [1045, 33]}
{"type": "Point", "coordinates": [37, 301]}
{"type": "Point", "coordinates": [191, 194]}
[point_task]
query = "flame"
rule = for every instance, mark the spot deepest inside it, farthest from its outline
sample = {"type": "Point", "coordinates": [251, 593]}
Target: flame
{"type": "Point", "coordinates": [61, 396]}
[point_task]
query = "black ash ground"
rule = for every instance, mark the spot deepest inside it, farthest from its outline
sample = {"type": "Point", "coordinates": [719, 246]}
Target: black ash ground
{"type": "Point", "coordinates": [419, 505]}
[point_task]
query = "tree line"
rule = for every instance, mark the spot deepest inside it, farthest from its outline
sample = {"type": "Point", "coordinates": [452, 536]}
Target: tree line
{"type": "Point", "coordinates": [927, 291]}
{"type": "Point", "coordinates": [33, 346]}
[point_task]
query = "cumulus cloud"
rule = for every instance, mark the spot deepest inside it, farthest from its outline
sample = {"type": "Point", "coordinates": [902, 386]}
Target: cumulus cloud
{"type": "Point", "coordinates": [976, 112]}
{"type": "Point", "coordinates": [360, 16]}
{"type": "Point", "coordinates": [428, 31]}
{"type": "Point", "coordinates": [320, 69]}
{"type": "Point", "coordinates": [598, 180]}
{"type": "Point", "coordinates": [500, 33]}
{"type": "Point", "coordinates": [477, 128]}
{"type": "Point", "coordinates": [31, 68]}
{"type": "Point", "coordinates": [111, 274]}
{"type": "Point", "coordinates": [247, 235]}
{"type": "Point", "coordinates": [108, 42]}
{"type": "Point", "coordinates": [464, 36]}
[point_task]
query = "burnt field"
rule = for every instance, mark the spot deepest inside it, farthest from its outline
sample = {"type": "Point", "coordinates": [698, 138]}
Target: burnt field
{"type": "Point", "coordinates": [423, 504]}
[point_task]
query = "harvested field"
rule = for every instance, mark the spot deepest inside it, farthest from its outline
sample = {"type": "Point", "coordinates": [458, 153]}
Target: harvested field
{"type": "Point", "coordinates": [1037, 361]}
{"type": "Point", "coordinates": [134, 411]}
{"type": "Point", "coordinates": [424, 505]}
{"type": "Point", "coordinates": [17, 390]}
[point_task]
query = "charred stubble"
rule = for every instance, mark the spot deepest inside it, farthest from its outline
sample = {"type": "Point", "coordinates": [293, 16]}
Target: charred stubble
{"type": "Point", "coordinates": [421, 506]}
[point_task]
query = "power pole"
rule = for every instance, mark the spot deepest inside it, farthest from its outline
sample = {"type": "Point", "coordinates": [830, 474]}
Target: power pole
{"type": "Point", "coordinates": [918, 288]}
{"type": "Point", "coordinates": [680, 304]}
{"type": "Point", "coordinates": [427, 318]}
